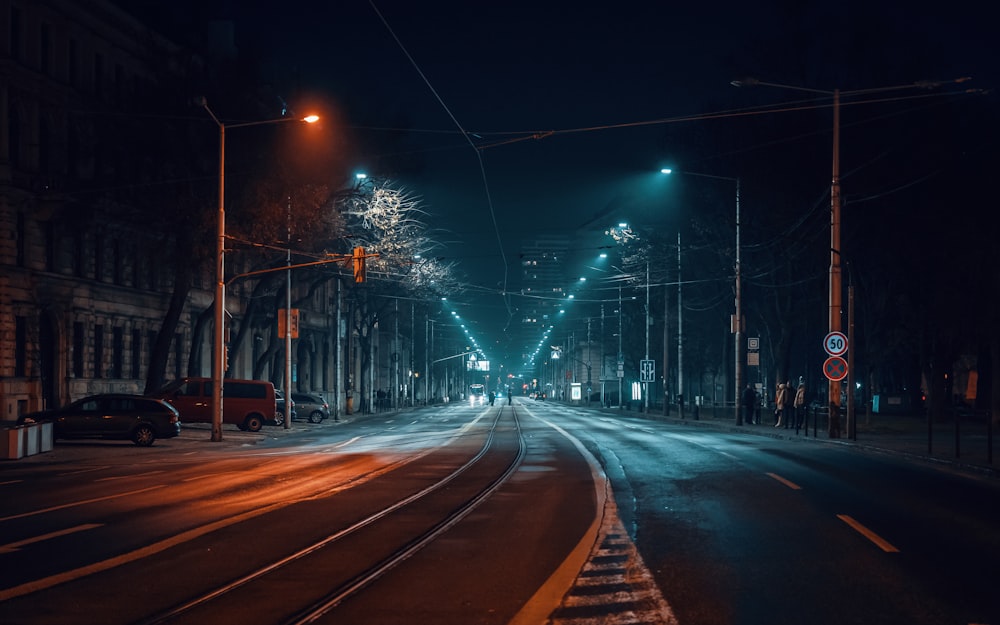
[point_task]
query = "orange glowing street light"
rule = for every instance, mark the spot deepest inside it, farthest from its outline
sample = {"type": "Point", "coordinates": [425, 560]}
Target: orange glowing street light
{"type": "Point", "coordinates": [219, 340]}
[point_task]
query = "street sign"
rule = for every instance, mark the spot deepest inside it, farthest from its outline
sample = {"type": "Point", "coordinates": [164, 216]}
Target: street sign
{"type": "Point", "coordinates": [647, 370]}
{"type": "Point", "coordinates": [835, 368]}
{"type": "Point", "coordinates": [283, 317]}
{"type": "Point", "coordinates": [835, 343]}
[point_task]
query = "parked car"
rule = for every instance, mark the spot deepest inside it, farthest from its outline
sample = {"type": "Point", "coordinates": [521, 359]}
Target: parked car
{"type": "Point", "coordinates": [247, 404]}
{"type": "Point", "coordinates": [128, 417]}
{"type": "Point", "coordinates": [279, 409]}
{"type": "Point", "coordinates": [312, 406]}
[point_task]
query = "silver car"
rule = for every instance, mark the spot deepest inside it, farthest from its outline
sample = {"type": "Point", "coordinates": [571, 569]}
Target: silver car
{"type": "Point", "coordinates": [312, 406]}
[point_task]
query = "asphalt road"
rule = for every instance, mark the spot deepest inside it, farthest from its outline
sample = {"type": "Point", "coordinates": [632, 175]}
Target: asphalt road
{"type": "Point", "coordinates": [739, 528]}
{"type": "Point", "coordinates": [704, 525]}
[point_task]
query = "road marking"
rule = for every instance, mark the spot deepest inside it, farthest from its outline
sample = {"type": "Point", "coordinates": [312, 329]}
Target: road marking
{"type": "Point", "coordinates": [578, 586]}
{"type": "Point", "coordinates": [90, 470]}
{"type": "Point", "coordinates": [80, 503]}
{"type": "Point", "coordinates": [125, 477]}
{"type": "Point", "coordinates": [347, 442]}
{"type": "Point", "coordinates": [11, 482]}
{"type": "Point", "coordinates": [787, 483]}
{"type": "Point", "coordinates": [883, 544]}
{"type": "Point", "coordinates": [12, 547]}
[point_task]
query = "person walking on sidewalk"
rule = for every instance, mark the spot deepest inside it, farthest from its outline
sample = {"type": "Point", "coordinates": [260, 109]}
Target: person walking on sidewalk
{"type": "Point", "coordinates": [780, 399]}
{"type": "Point", "coordinates": [749, 400]}
{"type": "Point", "coordinates": [789, 411]}
{"type": "Point", "coordinates": [800, 404]}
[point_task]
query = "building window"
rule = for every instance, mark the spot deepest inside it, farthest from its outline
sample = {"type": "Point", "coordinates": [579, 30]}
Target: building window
{"type": "Point", "coordinates": [99, 257]}
{"type": "Point", "coordinates": [98, 351]}
{"type": "Point", "coordinates": [119, 266]}
{"type": "Point", "coordinates": [50, 247]}
{"type": "Point", "coordinates": [14, 135]}
{"type": "Point", "coordinates": [117, 352]}
{"type": "Point", "coordinates": [20, 242]}
{"type": "Point", "coordinates": [78, 349]}
{"type": "Point", "coordinates": [134, 258]}
{"type": "Point", "coordinates": [98, 75]}
{"type": "Point", "coordinates": [136, 353]}
{"type": "Point", "coordinates": [74, 63]}
{"type": "Point", "coordinates": [15, 33]}
{"type": "Point", "coordinates": [45, 54]}
{"type": "Point", "coordinates": [45, 164]}
{"type": "Point", "coordinates": [119, 83]}
{"type": "Point", "coordinates": [20, 347]}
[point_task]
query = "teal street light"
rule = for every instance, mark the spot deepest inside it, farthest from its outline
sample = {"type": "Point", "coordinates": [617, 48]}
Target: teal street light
{"type": "Point", "coordinates": [737, 321]}
{"type": "Point", "coordinates": [219, 337]}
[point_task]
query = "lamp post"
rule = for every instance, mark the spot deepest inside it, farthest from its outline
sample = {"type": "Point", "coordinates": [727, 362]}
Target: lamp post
{"type": "Point", "coordinates": [219, 335]}
{"type": "Point", "coordinates": [836, 285]}
{"type": "Point", "coordinates": [737, 323]}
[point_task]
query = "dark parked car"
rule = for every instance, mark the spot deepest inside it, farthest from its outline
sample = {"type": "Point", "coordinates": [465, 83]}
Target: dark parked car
{"type": "Point", "coordinates": [130, 417]}
{"type": "Point", "coordinates": [279, 409]}
{"type": "Point", "coordinates": [312, 406]}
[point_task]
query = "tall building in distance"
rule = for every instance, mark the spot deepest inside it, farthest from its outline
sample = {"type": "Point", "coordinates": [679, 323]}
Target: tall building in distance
{"type": "Point", "coordinates": [543, 287]}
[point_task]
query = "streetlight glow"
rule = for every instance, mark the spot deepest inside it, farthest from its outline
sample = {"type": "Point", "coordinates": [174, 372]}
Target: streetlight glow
{"type": "Point", "coordinates": [219, 350]}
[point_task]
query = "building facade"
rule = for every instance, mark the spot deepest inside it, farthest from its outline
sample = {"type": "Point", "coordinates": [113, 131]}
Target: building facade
{"type": "Point", "coordinates": [84, 285]}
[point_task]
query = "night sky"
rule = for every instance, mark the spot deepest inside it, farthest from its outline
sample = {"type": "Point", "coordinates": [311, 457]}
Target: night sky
{"type": "Point", "coordinates": [627, 87]}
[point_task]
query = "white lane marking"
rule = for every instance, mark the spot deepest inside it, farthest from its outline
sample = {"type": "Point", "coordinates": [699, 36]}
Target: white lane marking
{"type": "Point", "coordinates": [11, 482]}
{"type": "Point", "coordinates": [80, 503]}
{"type": "Point", "coordinates": [90, 470]}
{"type": "Point", "coordinates": [787, 483]}
{"type": "Point", "coordinates": [125, 477]}
{"type": "Point", "coordinates": [882, 543]}
{"type": "Point", "coordinates": [12, 547]}
{"type": "Point", "coordinates": [347, 442]}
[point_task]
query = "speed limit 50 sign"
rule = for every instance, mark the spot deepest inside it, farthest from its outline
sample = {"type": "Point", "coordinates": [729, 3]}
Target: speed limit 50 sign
{"type": "Point", "coordinates": [835, 344]}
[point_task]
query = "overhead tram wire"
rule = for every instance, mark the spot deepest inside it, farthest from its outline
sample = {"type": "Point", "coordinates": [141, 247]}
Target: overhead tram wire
{"type": "Point", "coordinates": [465, 134]}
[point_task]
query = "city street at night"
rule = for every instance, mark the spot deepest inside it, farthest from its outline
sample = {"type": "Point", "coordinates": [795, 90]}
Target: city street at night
{"type": "Point", "coordinates": [495, 515]}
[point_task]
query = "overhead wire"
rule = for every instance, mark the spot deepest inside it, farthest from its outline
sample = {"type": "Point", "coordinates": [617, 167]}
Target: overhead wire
{"type": "Point", "coordinates": [466, 135]}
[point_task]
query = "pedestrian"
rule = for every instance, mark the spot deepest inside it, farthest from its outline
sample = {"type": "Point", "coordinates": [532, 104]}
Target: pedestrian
{"type": "Point", "coordinates": [749, 399]}
{"type": "Point", "coordinates": [780, 398]}
{"type": "Point", "coordinates": [510, 398]}
{"type": "Point", "coordinates": [800, 404]}
{"type": "Point", "coordinates": [789, 410]}
{"type": "Point", "coordinates": [493, 397]}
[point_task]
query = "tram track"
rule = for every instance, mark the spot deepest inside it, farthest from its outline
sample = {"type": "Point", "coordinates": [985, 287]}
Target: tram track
{"type": "Point", "coordinates": [342, 563]}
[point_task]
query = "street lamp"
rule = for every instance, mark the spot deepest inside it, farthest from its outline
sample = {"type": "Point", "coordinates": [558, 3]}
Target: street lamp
{"type": "Point", "coordinates": [219, 340]}
{"type": "Point", "coordinates": [835, 294]}
{"type": "Point", "coordinates": [737, 323]}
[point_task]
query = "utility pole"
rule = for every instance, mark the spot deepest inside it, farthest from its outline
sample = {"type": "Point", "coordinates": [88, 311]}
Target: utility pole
{"type": "Point", "coordinates": [680, 335]}
{"type": "Point", "coordinates": [647, 320]}
{"type": "Point", "coordinates": [738, 329]}
{"type": "Point", "coordinates": [666, 353]}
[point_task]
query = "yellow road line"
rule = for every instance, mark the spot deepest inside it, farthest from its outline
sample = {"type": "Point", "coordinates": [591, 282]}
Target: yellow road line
{"type": "Point", "coordinates": [883, 544]}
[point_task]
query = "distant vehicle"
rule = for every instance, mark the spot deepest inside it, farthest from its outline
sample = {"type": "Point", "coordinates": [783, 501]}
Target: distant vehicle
{"type": "Point", "coordinates": [136, 418]}
{"type": "Point", "coordinates": [279, 409]}
{"type": "Point", "coordinates": [312, 406]}
{"type": "Point", "coordinates": [477, 395]}
{"type": "Point", "coordinates": [247, 404]}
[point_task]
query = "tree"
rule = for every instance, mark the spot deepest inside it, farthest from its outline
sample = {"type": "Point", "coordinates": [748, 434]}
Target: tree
{"type": "Point", "coordinates": [388, 223]}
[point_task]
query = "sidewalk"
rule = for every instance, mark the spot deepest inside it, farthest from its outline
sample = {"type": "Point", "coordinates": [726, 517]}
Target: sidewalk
{"type": "Point", "coordinates": [966, 446]}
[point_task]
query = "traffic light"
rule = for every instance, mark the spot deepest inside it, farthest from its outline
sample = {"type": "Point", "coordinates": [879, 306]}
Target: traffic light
{"type": "Point", "coordinates": [359, 264]}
